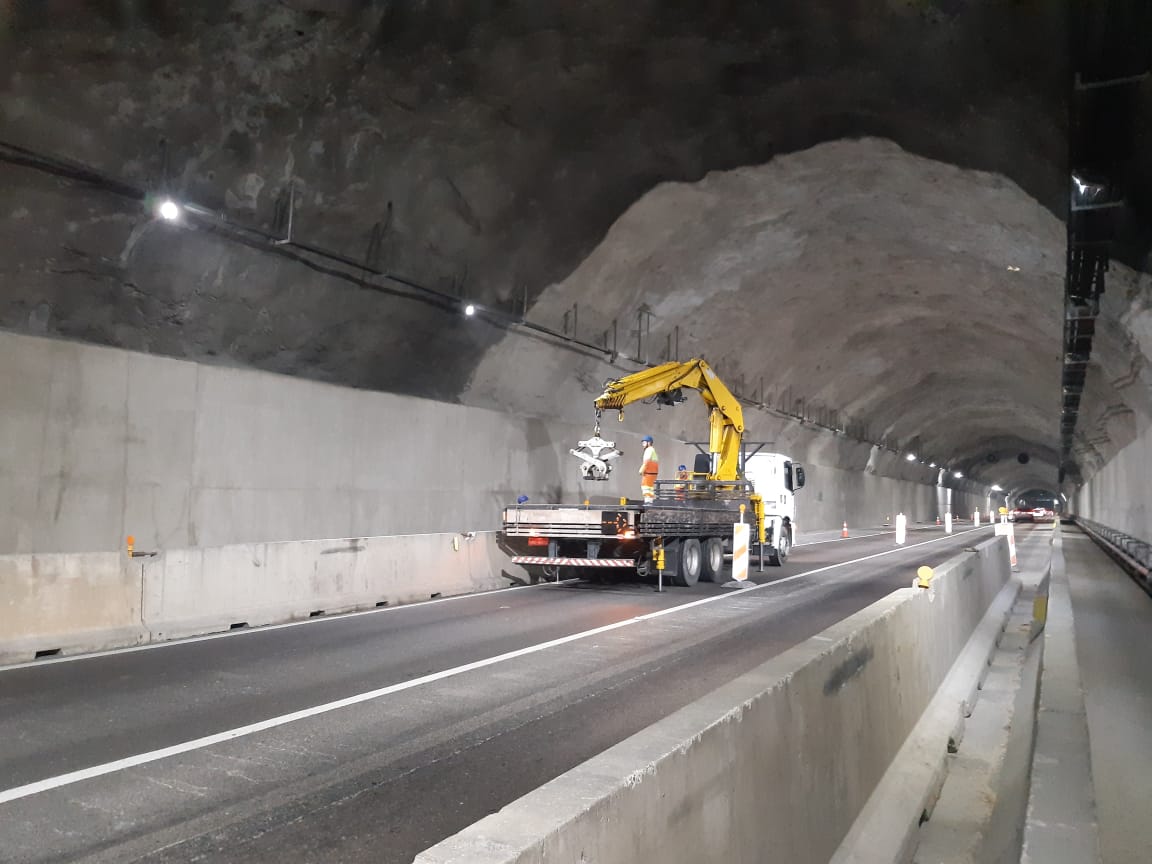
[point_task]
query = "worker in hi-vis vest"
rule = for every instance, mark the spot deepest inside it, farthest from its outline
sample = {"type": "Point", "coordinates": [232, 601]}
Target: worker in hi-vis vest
{"type": "Point", "coordinates": [649, 469]}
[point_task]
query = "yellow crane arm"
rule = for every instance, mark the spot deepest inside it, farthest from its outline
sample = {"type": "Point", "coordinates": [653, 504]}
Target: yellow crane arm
{"type": "Point", "coordinates": [726, 420]}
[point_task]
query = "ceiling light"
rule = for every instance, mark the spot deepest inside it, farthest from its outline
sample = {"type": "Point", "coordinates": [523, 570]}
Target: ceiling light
{"type": "Point", "coordinates": [911, 457]}
{"type": "Point", "coordinates": [1013, 269]}
{"type": "Point", "coordinates": [996, 487]}
{"type": "Point", "coordinates": [958, 475]}
{"type": "Point", "coordinates": [931, 464]}
{"type": "Point", "coordinates": [470, 310]}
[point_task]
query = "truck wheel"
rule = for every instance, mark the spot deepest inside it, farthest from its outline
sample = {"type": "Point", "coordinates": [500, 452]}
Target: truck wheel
{"type": "Point", "coordinates": [712, 567]}
{"type": "Point", "coordinates": [782, 548]}
{"type": "Point", "coordinates": [687, 572]}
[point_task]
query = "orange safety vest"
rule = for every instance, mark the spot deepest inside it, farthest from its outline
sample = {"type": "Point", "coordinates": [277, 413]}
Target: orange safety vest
{"type": "Point", "coordinates": [650, 469]}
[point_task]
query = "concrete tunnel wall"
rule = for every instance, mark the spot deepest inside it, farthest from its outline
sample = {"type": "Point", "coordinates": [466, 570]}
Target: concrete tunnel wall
{"type": "Point", "coordinates": [102, 443]}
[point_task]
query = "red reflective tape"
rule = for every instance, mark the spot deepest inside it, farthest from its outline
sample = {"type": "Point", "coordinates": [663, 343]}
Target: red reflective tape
{"type": "Point", "coordinates": [574, 562]}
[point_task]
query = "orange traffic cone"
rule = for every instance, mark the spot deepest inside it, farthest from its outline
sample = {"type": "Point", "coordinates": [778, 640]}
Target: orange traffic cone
{"type": "Point", "coordinates": [844, 531]}
{"type": "Point", "coordinates": [937, 519]}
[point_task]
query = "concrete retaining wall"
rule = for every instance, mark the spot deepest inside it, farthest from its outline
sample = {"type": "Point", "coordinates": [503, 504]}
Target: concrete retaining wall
{"type": "Point", "coordinates": [1117, 495]}
{"type": "Point", "coordinates": [100, 443]}
{"type": "Point", "coordinates": [773, 767]}
{"type": "Point", "coordinates": [74, 603]}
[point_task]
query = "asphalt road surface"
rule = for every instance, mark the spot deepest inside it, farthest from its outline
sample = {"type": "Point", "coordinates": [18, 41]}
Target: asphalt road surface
{"type": "Point", "coordinates": [371, 737]}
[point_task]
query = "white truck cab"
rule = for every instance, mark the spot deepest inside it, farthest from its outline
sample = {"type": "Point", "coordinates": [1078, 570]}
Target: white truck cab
{"type": "Point", "coordinates": [776, 479]}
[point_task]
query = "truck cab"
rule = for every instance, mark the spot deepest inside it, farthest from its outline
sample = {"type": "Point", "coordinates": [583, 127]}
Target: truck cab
{"type": "Point", "coordinates": [776, 479]}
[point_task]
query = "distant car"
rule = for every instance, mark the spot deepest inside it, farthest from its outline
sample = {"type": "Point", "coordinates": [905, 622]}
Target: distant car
{"type": "Point", "coordinates": [1031, 514]}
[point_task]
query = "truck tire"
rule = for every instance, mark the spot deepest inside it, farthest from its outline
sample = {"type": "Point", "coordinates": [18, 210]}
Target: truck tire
{"type": "Point", "coordinates": [690, 558]}
{"type": "Point", "coordinates": [782, 548]}
{"type": "Point", "coordinates": [712, 566]}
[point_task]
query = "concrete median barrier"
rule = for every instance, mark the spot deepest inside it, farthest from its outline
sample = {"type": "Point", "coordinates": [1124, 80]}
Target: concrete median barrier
{"type": "Point", "coordinates": [775, 766]}
{"type": "Point", "coordinates": [205, 590]}
{"type": "Point", "coordinates": [52, 604]}
{"type": "Point", "coordinates": [84, 602]}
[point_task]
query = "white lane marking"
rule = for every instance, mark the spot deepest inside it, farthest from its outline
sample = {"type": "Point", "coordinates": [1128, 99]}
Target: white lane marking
{"type": "Point", "coordinates": [264, 628]}
{"type": "Point", "coordinates": [71, 777]}
{"type": "Point", "coordinates": [861, 536]}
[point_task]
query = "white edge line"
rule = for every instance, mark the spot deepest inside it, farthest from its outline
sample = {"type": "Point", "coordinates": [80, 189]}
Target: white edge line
{"type": "Point", "coordinates": [71, 777]}
{"type": "Point", "coordinates": [338, 616]}
{"type": "Point", "coordinates": [866, 536]}
{"type": "Point", "coordinates": [264, 628]}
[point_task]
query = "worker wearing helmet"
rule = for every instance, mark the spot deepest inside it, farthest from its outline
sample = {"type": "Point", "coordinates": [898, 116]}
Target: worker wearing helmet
{"type": "Point", "coordinates": [681, 475]}
{"type": "Point", "coordinates": [649, 469]}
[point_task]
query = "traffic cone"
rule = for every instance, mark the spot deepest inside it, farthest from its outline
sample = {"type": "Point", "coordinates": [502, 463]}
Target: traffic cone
{"type": "Point", "coordinates": [937, 518]}
{"type": "Point", "coordinates": [844, 531]}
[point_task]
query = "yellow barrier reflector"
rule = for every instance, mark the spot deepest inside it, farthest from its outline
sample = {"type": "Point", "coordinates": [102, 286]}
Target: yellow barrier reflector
{"type": "Point", "coordinates": [1040, 610]}
{"type": "Point", "coordinates": [924, 576]}
{"type": "Point", "coordinates": [740, 535]}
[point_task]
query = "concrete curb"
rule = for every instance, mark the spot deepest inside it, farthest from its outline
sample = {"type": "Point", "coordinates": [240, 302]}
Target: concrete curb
{"type": "Point", "coordinates": [1060, 824]}
{"type": "Point", "coordinates": [979, 816]}
{"type": "Point", "coordinates": [886, 830]}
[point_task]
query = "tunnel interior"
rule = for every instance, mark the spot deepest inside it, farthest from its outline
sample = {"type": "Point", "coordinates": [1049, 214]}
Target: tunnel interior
{"type": "Point", "coordinates": [872, 260]}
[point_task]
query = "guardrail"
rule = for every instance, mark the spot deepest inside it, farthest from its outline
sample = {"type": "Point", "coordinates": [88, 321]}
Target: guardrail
{"type": "Point", "coordinates": [1131, 553]}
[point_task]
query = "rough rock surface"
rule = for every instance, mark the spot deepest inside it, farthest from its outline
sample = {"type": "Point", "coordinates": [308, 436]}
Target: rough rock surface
{"type": "Point", "coordinates": [852, 283]}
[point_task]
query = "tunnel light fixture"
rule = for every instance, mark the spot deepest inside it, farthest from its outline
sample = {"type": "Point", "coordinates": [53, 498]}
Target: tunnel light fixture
{"type": "Point", "coordinates": [1013, 269]}
{"type": "Point", "coordinates": [470, 309]}
{"type": "Point", "coordinates": [931, 464]}
{"type": "Point", "coordinates": [959, 475]}
{"type": "Point", "coordinates": [168, 210]}
{"type": "Point", "coordinates": [996, 487]}
{"type": "Point", "coordinates": [911, 457]}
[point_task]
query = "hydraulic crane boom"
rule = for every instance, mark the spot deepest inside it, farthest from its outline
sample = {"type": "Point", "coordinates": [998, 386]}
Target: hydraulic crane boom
{"type": "Point", "coordinates": [664, 383]}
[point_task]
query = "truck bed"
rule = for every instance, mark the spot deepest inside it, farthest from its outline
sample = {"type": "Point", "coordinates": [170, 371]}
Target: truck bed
{"type": "Point", "coordinates": [663, 518]}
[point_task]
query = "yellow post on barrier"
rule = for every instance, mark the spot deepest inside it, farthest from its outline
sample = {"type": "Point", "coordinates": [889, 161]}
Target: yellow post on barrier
{"type": "Point", "coordinates": [660, 559]}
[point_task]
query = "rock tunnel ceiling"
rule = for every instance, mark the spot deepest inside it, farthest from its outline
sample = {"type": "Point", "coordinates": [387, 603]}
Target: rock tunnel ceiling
{"type": "Point", "coordinates": [489, 149]}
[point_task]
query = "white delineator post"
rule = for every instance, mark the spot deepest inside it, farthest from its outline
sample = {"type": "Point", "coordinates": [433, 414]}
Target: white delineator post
{"type": "Point", "coordinates": [1005, 528]}
{"type": "Point", "coordinates": [740, 534]}
{"type": "Point", "coordinates": [975, 518]}
{"type": "Point", "coordinates": [901, 529]}
{"type": "Point", "coordinates": [948, 522]}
